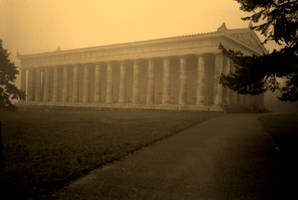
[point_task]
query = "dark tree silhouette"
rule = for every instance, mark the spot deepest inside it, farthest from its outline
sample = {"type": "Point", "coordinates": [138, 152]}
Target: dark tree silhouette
{"type": "Point", "coordinates": [8, 90]}
{"type": "Point", "coordinates": [277, 20]}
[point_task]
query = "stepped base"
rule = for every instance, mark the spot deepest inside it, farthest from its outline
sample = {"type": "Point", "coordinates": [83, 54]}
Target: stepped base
{"type": "Point", "coordinates": [100, 106]}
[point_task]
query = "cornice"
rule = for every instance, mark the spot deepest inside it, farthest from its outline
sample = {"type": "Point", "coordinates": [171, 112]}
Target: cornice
{"type": "Point", "coordinates": [126, 45]}
{"type": "Point", "coordinates": [171, 46]}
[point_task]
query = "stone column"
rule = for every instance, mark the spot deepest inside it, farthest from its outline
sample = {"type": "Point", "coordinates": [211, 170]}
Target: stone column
{"type": "Point", "coordinates": [37, 84]}
{"type": "Point", "coordinates": [75, 84]}
{"type": "Point", "coordinates": [85, 83]}
{"type": "Point", "coordinates": [64, 89]}
{"type": "Point", "coordinates": [201, 81]}
{"type": "Point", "coordinates": [227, 91]}
{"type": "Point", "coordinates": [135, 86]}
{"type": "Point", "coordinates": [218, 89]}
{"type": "Point", "coordinates": [55, 85]}
{"type": "Point", "coordinates": [150, 83]}
{"type": "Point", "coordinates": [22, 85]}
{"type": "Point", "coordinates": [182, 78]}
{"type": "Point", "coordinates": [234, 98]}
{"type": "Point", "coordinates": [109, 83]}
{"type": "Point", "coordinates": [29, 85]}
{"type": "Point", "coordinates": [46, 85]}
{"type": "Point", "coordinates": [121, 98]}
{"type": "Point", "coordinates": [97, 83]}
{"type": "Point", "coordinates": [23, 79]}
{"type": "Point", "coordinates": [165, 87]}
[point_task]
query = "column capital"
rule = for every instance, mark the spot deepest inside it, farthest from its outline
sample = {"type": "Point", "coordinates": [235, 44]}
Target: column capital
{"type": "Point", "coordinates": [97, 65]}
{"type": "Point", "coordinates": [136, 61]}
{"type": "Point", "coordinates": [215, 52]}
{"type": "Point", "coordinates": [182, 60]}
{"type": "Point", "coordinates": [125, 60]}
{"type": "Point", "coordinates": [166, 58]}
{"type": "Point", "coordinates": [122, 63]}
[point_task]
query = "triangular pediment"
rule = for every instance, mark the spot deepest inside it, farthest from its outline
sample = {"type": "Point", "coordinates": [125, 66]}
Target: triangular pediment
{"type": "Point", "coordinates": [248, 38]}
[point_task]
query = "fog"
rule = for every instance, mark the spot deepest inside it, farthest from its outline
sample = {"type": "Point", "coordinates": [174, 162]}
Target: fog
{"type": "Point", "coordinates": [32, 26]}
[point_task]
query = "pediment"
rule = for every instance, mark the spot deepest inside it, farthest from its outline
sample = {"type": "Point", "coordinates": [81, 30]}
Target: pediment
{"type": "Point", "coordinates": [250, 39]}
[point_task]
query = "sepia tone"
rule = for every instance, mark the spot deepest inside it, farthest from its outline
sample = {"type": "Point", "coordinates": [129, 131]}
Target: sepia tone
{"type": "Point", "coordinates": [123, 101]}
{"type": "Point", "coordinates": [176, 73]}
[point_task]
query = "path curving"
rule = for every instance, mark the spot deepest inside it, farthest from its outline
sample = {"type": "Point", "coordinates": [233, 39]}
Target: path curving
{"type": "Point", "coordinates": [229, 157]}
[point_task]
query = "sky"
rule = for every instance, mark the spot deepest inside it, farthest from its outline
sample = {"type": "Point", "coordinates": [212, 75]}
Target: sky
{"type": "Point", "coordinates": [33, 26]}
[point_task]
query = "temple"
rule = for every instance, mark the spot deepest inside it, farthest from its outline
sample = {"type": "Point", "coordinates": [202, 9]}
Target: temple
{"type": "Point", "coordinates": [176, 73]}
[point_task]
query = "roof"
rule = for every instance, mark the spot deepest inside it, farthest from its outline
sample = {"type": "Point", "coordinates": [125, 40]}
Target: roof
{"type": "Point", "coordinates": [233, 34]}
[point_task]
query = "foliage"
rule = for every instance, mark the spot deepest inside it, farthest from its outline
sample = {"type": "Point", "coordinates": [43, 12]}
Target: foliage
{"type": "Point", "coordinates": [8, 72]}
{"type": "Point", "coordinates": [277, 21]}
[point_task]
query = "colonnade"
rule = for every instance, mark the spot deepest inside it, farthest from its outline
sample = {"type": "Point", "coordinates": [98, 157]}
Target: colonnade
{"type": "Point", "coordinates": [89, 83]}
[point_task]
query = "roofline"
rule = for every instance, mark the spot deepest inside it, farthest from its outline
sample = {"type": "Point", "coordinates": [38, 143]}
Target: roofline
{"type": "Point", "coordinates": [125, 44]}
{"type": "Point", "coordinates": [259, 41]}
{"type": "Point", "coordinates": [143, 42]}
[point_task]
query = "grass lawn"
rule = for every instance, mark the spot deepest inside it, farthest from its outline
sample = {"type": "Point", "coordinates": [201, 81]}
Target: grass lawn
{"type": "Point", "coordinates": [43, 150]}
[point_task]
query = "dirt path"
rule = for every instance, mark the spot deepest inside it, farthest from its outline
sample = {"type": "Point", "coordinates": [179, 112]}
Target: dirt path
{"type": "Point", "coordinates": [229, 157]}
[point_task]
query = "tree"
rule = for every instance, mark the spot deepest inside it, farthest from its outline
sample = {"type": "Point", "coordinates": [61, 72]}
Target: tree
{"type": "Point", "coordinates": [277, 20]}
{"type": "Point", "coordinates": [8, 72]}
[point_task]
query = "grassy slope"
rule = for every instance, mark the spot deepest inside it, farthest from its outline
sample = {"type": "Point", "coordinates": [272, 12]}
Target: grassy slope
{"type": "Point", "coordinates": [44, 150]}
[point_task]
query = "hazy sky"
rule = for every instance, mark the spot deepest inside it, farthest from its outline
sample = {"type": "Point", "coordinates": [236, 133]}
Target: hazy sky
{"type": "Point", "coordinates": [31, 26]}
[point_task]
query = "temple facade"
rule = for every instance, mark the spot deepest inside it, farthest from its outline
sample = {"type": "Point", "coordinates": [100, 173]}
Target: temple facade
{"type": "Point", "coordinates": [177, 73]}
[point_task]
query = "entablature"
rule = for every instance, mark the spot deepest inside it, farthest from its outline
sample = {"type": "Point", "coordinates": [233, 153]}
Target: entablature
{"type": "Point", "coordinates": [244, 40]}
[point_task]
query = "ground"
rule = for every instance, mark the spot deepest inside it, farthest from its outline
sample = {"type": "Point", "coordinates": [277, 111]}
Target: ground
{"type": "Point", "coordinates": [234, 156]}
{"type": "Point", "coordinates": [229, 157]}
{"type": "Point", "coordinates": [43, 150]}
